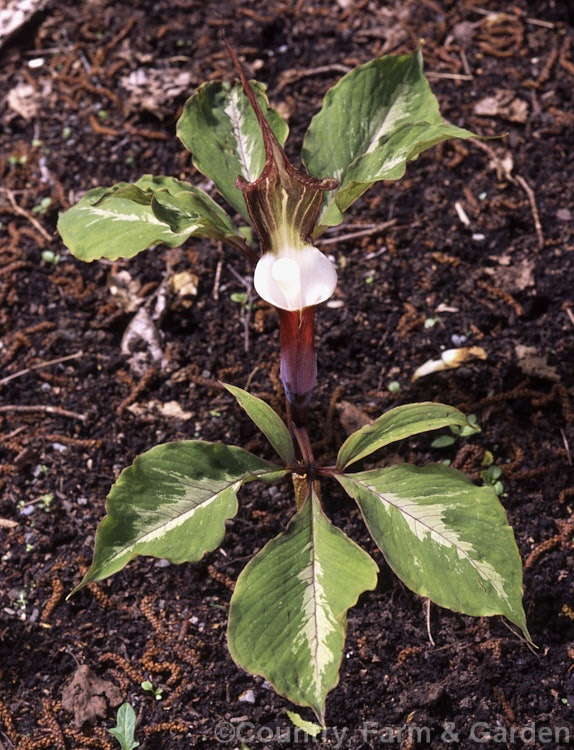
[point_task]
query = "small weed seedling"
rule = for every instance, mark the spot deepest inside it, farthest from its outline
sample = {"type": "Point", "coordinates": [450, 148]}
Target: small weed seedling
{"type": "Point", "coordinates": [445, 441]}
{"type": "Point", "coordinates": [157, 692]}
{"type": "Point", "coordinates": [125, 728]}
{"type": "Point", "coordinates": [446, 538]}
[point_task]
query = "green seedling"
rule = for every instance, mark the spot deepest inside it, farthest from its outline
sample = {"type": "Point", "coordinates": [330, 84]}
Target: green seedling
{"type": "Point", "coordinates": [124, 730]}
{"type": "Point", "coordinates": [17, 161]}
{"type": "Point", "coordinates": [149, 688]}
{"type": "Point", "coordinates": [491, 478]}
{"type": "Point", "coordinates": [43, 206]}
{"type": "Point", "coordinates": [472, 428]}
{"type": "Point", "coordinates": [21, 602]}
{"type": "Point", "coordinates": [239, 297]}
{"type": "Point", "coordinates": [46, 501]}
{"type": "Point", "coordinates": [49, 256]}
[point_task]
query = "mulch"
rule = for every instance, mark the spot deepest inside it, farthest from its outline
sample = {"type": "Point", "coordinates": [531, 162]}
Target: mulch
{"type": "Point", "coordinates": [474, 247]}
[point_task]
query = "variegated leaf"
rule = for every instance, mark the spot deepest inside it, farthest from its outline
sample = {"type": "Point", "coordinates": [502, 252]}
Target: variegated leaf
{"type": "Point", "coordinates": [123, 220]}
{"type": "Point", "coordinates": [287, 619]}
{"type": "Point", "coordinates": [373, 121]}
{"type": "Point", "coordinates": [173, 503]}
{"type": "Point", "coordinates": [220, 128]}
{"type": "Point", "coordinates": [446, 538]}
{"type": "Point", "coordinates": [397, 424]}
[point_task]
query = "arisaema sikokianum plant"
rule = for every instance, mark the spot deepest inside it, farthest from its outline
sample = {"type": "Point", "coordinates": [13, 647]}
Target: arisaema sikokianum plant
{"type": "Point", "coordinates": [446, 538]}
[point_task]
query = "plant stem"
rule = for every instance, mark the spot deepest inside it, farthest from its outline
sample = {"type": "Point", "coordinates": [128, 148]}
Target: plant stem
{"type": "Point", "coordinates": [302, 437]}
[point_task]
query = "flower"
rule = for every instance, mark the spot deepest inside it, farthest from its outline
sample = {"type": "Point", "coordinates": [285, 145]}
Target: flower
{"type": "Point", "coordinates": [291, 274]}
{"type": "Point", "coordinates": [293, 279]}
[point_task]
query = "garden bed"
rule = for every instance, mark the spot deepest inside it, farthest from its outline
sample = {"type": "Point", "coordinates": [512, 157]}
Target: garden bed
{"type": "Point", "coordinates": [474, 247]}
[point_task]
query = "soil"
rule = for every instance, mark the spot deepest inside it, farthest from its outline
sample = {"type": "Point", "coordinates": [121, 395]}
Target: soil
{"type": "Point", "coordinates": [479, 253]}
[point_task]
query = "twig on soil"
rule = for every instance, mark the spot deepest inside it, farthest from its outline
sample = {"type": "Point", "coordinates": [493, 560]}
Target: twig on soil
{"type": "Point", "coordinates": [462, 215]}
{"type": "Point", "coordinates": [291, 76]}
{"type": "Point", "coordinates": [40, 365]}
{"type": "Point", "coordinates": [215, 293]}
{"type": "Point", "coordinates": [533, 207]}
{"type": "Point", "coordinates": [374, 229]}
{"type": "Point", "coordinates": [246, 309]}
{"type": "Point", "coordinates": [465, 65]}
{"type": "Point", "coordinates": [251, 376]}
{"type": "Point", "coordinates": [40, 409]}
{"type": "Point", "coordinates": [538, 22]}
{"type": "Point", "coordinates": [505, 170]}
{"type": "Point", "coordinates": [26, 214]}
{"type": "Point", "coordinates": [427, 608]}
{"type": "Point", "coordinates": [566, 446]}
{"type": "Point", "coordinates": [450, 76]}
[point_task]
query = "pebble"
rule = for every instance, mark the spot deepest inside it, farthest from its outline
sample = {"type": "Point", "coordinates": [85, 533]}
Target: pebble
{"type": "Point", "coordinates": [247, 697]}
{"type": "Point", "coordinates": [458, 340]}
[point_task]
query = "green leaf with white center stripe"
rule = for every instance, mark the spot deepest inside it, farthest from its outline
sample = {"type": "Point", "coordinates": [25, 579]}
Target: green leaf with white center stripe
{"type": "Point", "coordinates": [172, 503]}
{"type": "Point", "coordinates": [397, 424]}
{"type": "Point", "coordinates": [220, 128]}
{"type": "Point", "coordinates": [268, 421]}
{"type": "Point", "coordinates": [123, 220]}
{"type": "Point", "coordinates": [373, 121]}
{"type": "Point", "coordinates": [287, 619]}
{"type": "Point", "coordinates": [444, 537]}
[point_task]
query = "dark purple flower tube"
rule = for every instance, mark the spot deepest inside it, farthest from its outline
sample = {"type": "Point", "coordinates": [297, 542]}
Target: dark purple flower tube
{"type": "Point", "coordinates": [298, 360]}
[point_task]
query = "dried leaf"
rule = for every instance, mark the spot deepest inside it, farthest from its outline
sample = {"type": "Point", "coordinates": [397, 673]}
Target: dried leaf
{"type": "Point", "coordinates": [26, 101]}
{"type": "Point", "coordinates": [151, 88]}
{"type": "Point", "coordinates": [14, 14]}
{"type": "Point", "coordinates": [351, 417]}
{"type": "Point", "coordinates": [463, 32]}
{"type": "Point", "coordinates": [513, 278]}
{"type": "Point", "coordinates": [126, 291]}
{"type": "Point", "coordinates": [450, 360]}
{"type": "Point", "coordinates": [531, 362]}
{"type": "Point", "coordinates": [88, 697]}
{"type": "Point", "coordinates": [504, 104]}
{"type": "Point", "coordinates": [142, 344]}
{"type": "Point", "coordinates": [184, 286]}
{"type": "Point", "coordinates": [150, 410]}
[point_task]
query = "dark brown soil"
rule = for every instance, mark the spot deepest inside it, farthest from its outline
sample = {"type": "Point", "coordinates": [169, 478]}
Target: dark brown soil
{"type": "Point", "coordinates": [504, 282]}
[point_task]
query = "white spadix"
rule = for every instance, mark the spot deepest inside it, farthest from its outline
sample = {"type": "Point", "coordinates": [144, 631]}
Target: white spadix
{"type": "Point", "coordinates": [295, 278]}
